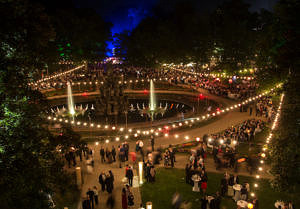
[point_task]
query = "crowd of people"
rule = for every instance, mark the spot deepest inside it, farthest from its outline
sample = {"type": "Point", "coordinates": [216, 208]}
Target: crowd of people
{"type": "Point", "coordinates": [224, 144]}
{"type": "Point", "coordinates": [233, 88]}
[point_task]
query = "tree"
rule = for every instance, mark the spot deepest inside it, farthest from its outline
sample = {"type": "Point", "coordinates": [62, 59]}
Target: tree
{"type": "Point", "coordinates": [285, 147]}
{"type": "Point", "coordinates": [30, 166]}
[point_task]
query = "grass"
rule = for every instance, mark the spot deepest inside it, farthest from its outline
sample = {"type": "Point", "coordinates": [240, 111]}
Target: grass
{"type": "Point", "coordinates": [168, 181]}
{"type": "Point", "coordinates": [256, 146]}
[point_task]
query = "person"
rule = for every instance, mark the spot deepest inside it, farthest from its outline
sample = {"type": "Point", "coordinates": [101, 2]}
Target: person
{"type": "Point", "coordinates": [152, 142]}
{"type": "Point", "coordinates": [217, 201]}
{"type": "Point", "coordinates": [86, 203]}
{"type": "Point", "coordinates": [90, 193]}
{"type": "Point", "coordinates": [172, 157]}
{"type": "Point", "coordinates": [255, 203]}
{"type": "Point", "coordinates": [126, 150]}
{"type": "Point", "coordinates": [124, 199]}
{"type": "Point", "coordinates": [102, 178]}
{"type": "Point", "coordinates": [112, 178]}
{"type": "Point", "coordinates": [108, 183]}
{"type": "Point", "coordinates": [130, 196]}
{"type": "Point", "coordinates": [244, 192]}
{"type": "Point", "coordinates": [95, 190]}
{"type": "Point", "coordinates": [290, 205]}
{"type": "Point", "coordinates": [113, 152]}
{"type": "Point", "coordinates": [121, 155]}
{"type": "Point", "coordinates": [188, 173]}
{"type": "Point", "coordinates": [204, 202]}
{"type": "Point", "coordinates": [224, 186]}
{"type": "Point", "coordinates": [152, 173]}
{"type": "Point", "coordinates": [110, 203]}
{"type": "Point", "coordinates": [251, 109]}
{"type": "Point", "coordinates": [203, 182]}
{"type": "Point", "coordinates": [233, 180]}
{"type": "Point", "coordinates": [176, 200]}
{"type": "Point", "coordinates": [129, 175]}
{"type": "Point", "coordinates": [102, 153]}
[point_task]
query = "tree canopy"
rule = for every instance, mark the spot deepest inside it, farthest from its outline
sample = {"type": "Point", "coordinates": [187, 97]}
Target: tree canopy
{"type": "Point", "coordinates": [31, 167]}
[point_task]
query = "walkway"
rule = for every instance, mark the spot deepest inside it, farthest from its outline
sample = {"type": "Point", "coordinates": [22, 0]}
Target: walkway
{"type": "Point", "coordinates": [230, 119]}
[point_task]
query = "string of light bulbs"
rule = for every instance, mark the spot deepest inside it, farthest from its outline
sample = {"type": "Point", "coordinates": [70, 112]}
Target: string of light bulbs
{"type": "Point", "coordinates": [263, 155]}
{"type": "Point", "coordinates": [215, 75]}
{"type": "Point", "coordinates": [56, 75]}
{"type": "Point", "coordinates": [163, 127]}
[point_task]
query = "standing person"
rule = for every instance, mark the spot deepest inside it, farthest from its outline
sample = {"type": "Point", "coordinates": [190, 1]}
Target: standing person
{"type": "Point", "coordinates": [204, 202]}
{"type": "Point", "coordinates": [91, 193]}
{"type": "Point", "coordinates": [107, 154]}
{"type": "Point", "coordinates": [113, 152]}
{"type": "Point", "coordinates": [102, 153]}
{"type": "Point", "coordinates": [251, 109]}
{"type": "Point", "coordinates": [124, 199]}
{"type": "Point", "coordinates": [112, 179]}
{"type": "Point", "coordinates": [86, 203]}
{"type": "Point", "coordinates": [95, 190]}
{"type": "Point", "coordinates": [217, 201]}
{"type": "Point", "coordinates": [224, 186]}
{"type": "Point", "coordinates": [130, 196]}
{"type": "Point", "coordinates": [152, 173]}
{"type": "Point", "coordinates": [102, 178]}
{"type": "Point", "coordinates": [172, 157]}
{"type": "Point", "coordinates": [108, 184]}
{"type": "Point", "coordinates": [121, 155]}
{"type": "Point", "coordinates": [203, 181]}
{"type": "Point", "coordinates": [110, 203]}
{"type": "Point", "coordinates": [152, 142]}
{"type": "Point", "coordinates": [255, 204]}
{"type": "Point", "coordinates": [129, 175]}
{"type": "Point", "coordinates": [126, 150]}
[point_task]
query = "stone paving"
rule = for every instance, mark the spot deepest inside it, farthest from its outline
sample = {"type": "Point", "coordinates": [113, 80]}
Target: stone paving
{"type": "Point", "coordinates": [91, 179]}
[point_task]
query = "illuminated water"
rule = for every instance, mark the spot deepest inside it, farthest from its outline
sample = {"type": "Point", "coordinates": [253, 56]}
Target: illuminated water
{"type": "Point", "coordinates": [70, 100]}
{"type": "Point", "coordinates": [152, 104]}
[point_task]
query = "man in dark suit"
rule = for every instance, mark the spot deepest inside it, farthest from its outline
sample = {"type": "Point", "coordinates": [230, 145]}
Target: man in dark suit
{"type": "Point", "coordinates": [129, 175]}
{"type": "Point", "coordinates": [102, 155]}
{"type": "Point", "coordinates": [102, 178]}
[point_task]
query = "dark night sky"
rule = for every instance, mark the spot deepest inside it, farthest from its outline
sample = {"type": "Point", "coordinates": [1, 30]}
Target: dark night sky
{"type": "Point", "coordinates": [126, 14]}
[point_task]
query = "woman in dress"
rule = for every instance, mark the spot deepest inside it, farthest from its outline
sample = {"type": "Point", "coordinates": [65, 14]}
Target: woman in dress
{"type": "Point", "coordinates": [124, 199]}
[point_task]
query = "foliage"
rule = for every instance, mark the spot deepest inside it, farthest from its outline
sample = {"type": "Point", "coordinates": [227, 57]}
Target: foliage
{"type": "Point", "coordinates": [79, 34]}
{"type": "Point", "coordinates": [285, 148]}
{"type": "Point", "coordinates": [30, 167]}
{"type": "Point", "coordinates": [174, 34]}
{"type": "Point", "coordinates": [234, 35]}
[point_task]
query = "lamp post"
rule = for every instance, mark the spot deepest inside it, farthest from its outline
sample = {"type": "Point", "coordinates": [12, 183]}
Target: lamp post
{"type": "Point", "coordinates": [141, 166]}
{"type": "Point", "coordinates": [78, 177]}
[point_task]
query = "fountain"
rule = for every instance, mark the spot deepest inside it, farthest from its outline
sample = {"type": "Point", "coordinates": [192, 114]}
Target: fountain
{"type": "Point", "coordinates": [152, 104]}
{"type": "Point", "coordinates": [70, 100]}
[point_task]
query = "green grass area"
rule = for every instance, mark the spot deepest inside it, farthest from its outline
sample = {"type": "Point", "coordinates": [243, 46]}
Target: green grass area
{"type": "Point", "coordinates": [168, 181]}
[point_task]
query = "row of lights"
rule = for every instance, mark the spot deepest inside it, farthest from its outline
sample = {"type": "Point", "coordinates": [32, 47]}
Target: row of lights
{"type": "Point", "coordinates": [57, 75]}
{"type": "Point", "coordinates": [264, 149]}
{"type": "Point", "coordinates": [166, 127]}
{"type": "Point", "coordinates": [219, 75]}
{"type": "Point", "coordinates": [101, 82]}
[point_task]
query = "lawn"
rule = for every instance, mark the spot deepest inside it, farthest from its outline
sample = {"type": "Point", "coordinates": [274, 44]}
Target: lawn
{"type": "Point", "coordinates": [168, 181]}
